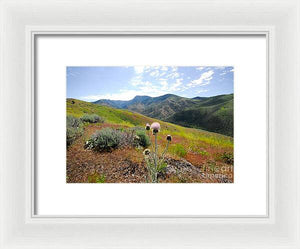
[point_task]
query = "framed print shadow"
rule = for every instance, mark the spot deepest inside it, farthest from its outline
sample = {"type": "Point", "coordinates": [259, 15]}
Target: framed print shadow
{"type": "Point", "coordinates": [150, 124]}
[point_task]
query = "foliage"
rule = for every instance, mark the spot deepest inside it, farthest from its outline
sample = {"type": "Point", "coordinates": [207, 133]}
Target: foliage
{"type": "Point", "coordinates": [203, 152]}
{"type": "Point", "coordinates": [143, 138]}
{"type": "Point", "coordinates": [92, 118]}
{"type": "Point", "coordinates": [212, 113]}
{"type": "Point", "coordinates": [227, 157]}
{"type": "Point", "coordinates": [96, 178]}
{"type": "Point", "coordinates": [117, 116]}
{"type": "Point", "coordinates": [217, 118]}
{"type": "Point", "coordinates": [105, 140]}
{"type": "Point", "coordinates": [156, 162]}
{"type": "Point", "coordinates": [73, 122]}
{"type": "Point", "coordinates": [178, 150]}
{"type": "Point", "coordinates": [74, 129]}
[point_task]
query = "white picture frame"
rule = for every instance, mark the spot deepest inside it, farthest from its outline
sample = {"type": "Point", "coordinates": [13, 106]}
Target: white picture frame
{"type": "Point", "coordinates": [22, 20]}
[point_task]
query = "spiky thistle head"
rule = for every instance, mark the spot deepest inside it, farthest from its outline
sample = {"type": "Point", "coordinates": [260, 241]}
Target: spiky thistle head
{"type": "Point", "coordinates": [147, 127]}
{"type": "Point", "coordinates": [146, 152]}
{"type": "Point", "coordinates": [169, 138]}
{"type": "Point", "coordinates": [155, 127]}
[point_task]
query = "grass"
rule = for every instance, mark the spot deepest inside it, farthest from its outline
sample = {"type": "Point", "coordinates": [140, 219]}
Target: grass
{"type": "Point", "coordinates": [190, 139]}
{"type": "Point", "coordinates": [178, 150]}
{"type": "Point", "coordinates": [96, 178]}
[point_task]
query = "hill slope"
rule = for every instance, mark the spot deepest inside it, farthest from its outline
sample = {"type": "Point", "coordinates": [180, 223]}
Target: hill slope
{"type": "Point", "coordinates": [126, 118]}
{"type": "Point", "coordinates": [209, 113]}
{"type": "Point", "coordinates": [193, 155]}
{"type": "Point", "coordinates": [212, 114]}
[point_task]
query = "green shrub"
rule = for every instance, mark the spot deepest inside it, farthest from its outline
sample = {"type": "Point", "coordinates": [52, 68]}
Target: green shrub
{"type": "Point", "coordinates": [179, 150]}
{"type": "Point", "coordinates": [143, 138]}
{"type": "Point", "coordinates": [96, 178]}
{"type": "Point", "coordinates": [105, 140]}
{"type": "Point", "coordinates": [203, 152]}
{"type": "Point", "coordinates": [73, 122]}
{"type": "Point", "coordinates": [74, 129]}
{"type": "Point", "coordinates": [227, 157]}
{"type": "Point", "coordinates": [92, 118]}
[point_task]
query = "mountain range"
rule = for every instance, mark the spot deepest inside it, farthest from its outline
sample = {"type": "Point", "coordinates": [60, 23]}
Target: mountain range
{"type": "Point", "coordinates": [209, 113]}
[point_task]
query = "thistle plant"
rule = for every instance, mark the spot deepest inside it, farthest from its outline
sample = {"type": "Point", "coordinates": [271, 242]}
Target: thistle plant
{"type": "Point", "coordinates": [155, 162]}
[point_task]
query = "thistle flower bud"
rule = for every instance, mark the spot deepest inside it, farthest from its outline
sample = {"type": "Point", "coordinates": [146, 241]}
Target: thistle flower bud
{"type": "Point", "coordinates": [136, 137]}
{"type": "Point", "coordinates": [147, 127]}
{"type": "Point", "coordinates": [169, 138]}
{"type": "Point", "coordinates": [155, 127]}
{"type": "Point", "coordinates": [146, 152]}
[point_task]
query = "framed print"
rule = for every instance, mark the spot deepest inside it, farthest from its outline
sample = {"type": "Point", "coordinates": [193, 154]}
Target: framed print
{"type": "Point", "coordinates": [149, 124]}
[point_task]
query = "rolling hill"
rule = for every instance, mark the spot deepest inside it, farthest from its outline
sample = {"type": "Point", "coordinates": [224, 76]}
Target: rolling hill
{"type": "Point", "coordinates": [127, 118]}
{"type": "Point", "coordinates": [209, 113]}
{"type": "Point", "coordinates": [194, 155]}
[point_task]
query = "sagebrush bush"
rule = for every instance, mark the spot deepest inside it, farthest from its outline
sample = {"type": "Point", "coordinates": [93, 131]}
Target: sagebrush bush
{"type": "Point", "coordinates": [73, 122]}
{"type": "Point", "coordinates": [92, 118]}
{"type": "Point", "coordinates": [105, 140]}
{"type": "Point", "coordinates": [143, 138]}
{"type": "Point", "coordinates": [74, 129]}
{"type": "Point", "coordinates": [227, 157]}
{"type": "Point", "coordinates": [137, 137]}
{"type": "Point", "coordinates": [72, 135]}
{"type": "Point", "coordinates": [179, 150]}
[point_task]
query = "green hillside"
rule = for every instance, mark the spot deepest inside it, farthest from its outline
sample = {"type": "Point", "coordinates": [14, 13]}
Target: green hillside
{"type": "Point", "coordinates": [126, 118]}
{"type": "Point", "coordinates": [192, 155]}
{"type": "Point", "coordinates": [209, 113]}
{"type": "Point", "coordinates": [215, 114]}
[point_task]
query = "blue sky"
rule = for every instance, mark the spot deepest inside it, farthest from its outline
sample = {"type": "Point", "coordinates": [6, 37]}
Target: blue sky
{"type": "Point", "coordinates": [124, 83]}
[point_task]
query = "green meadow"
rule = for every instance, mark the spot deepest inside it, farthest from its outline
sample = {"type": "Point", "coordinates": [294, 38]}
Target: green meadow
{"type": "Point", "coordinates": [188, 137]}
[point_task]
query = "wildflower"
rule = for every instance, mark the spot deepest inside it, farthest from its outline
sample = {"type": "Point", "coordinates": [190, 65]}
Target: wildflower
{"type": "Point", "coordinates": [169, 138]}
{"type": "Point", "coordinates": [155, 127]}
{"type": "Point", "coordinates": [146, 152]}
{"type": "Point", "coordinates": [147, 127]}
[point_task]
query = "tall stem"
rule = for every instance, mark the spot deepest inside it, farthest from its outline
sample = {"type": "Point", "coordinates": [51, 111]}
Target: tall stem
{"type": "Point", "coordinates": [155, 158]}
{"type": "Point", "coordinates": [150, 141]}
{"type": "Point", "coordinates": [163, 154]}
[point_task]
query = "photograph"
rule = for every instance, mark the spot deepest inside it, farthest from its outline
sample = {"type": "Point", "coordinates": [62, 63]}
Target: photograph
{"type": "Point", "coordinates": [150, 124]}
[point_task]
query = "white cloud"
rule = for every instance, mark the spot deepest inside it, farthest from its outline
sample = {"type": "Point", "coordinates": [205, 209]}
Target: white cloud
{"type": "Point", "coordinates": [143, 88]}
{"type": "Point", "coordinates": [202, 91]}
{"type": "Point", "coordinates": [204, 79]}
{"type": "Point", "coordinates": [122, 95]}
{"type": "Point", "coordinates": [226, 70]}
{"type": "Point", "coordinates": [160, 80]}
{"type": "Point", "coordinates": [173, 75]}
{"type": "Point", "coordinates": [176, 85]}
{"type": "Point", "coordinates": [164, 85]}
{"type": "Point", "coordinates": [135, 81]}
{"type": "Point", "coordinates": [139, 69]}
{"type": "Point", "coordinates": [154, 73]}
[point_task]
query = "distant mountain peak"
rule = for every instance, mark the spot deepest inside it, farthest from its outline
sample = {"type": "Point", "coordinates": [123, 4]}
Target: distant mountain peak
{"type": "Point", "coordinates": [192, 112]}
{"type": "Point", "coordinates": [141, 97]}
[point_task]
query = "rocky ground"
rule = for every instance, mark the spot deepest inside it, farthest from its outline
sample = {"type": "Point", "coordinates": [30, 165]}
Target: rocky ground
{"type": "Point", "coordinates": [127, 165]}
